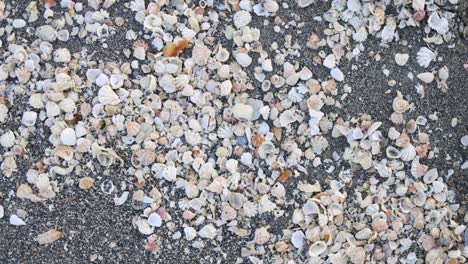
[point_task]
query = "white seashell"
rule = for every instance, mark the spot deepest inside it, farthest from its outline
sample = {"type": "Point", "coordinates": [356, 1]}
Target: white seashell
{"type": "Point", "coordinates": [122, 199]}
{"type": "Point", "coordinates": [29, 118]}
{"type": "Point", "coordinates": [305, 74]}
{"type": "Point", "coordinates": [46, 33]}
{"type": "Point", "coordinates": [225, 88]}
{"type": "Point", "coordinates": [297, 239]}
{"type": "Point", "coordinates": [242, 18]}
{"type": "Point", "coordinates": [400, 105]}
{"type": "Point", "coordinates": [67, 105]}
{"type": "Point", "coordinates": [192, 138]}
{"type": "Point", "coordinates": [317, 249]}
{"type": "Point", "coordinates": [102, 80]}
{"type": "Point", "coordinates": [200, 53]}
{"type": "Point", "coordinates": [388, 33]}
{"type": "Point", "coordinates": [408, 153]}
{"type": "Point", "coordinates": [68, 137]}
{"type": "Point", "coordinates": [116, 81]}
{"type": "Point", "coordinates": [190, 233]}
{"type": "Point", "coordinates": [417, 169]}
{"type": "Point", "coordinates": [439, 24]}
{"type": "Point", "coordinates": [246, 159]}
{"type": "Point", "coordinates": [2, 212]}
{"type": "Point", "coordinates": [267, 65]}
{"type": "Point", "coordinates": [330, 61]}
{"type": "Point", "coordinates": [154, 219]}
{"type": "Point", "coordinates": [208, 231]}
{"type": "Point", "coordinates": [401, 59]}
{"type": "Point", "coordinates": [360, 35]}
{"type": "Point", "coordinates": [418, 4]}
{"type": "Point", "coordinates": [337, 74]}
{"type": "Point", "coordinates": [286, 118]}
{"type": "Point", "coordinates": [16, 221]}
{"type": "Point", "coordinates": [62, 56]}
{"type": "Point", "coordinates": [144, 227]}
{"type": "Point", "coordinates": [425, 56]}
{"type": "Point", "coordinates": [310, 207]}
{"type": "Point", "coordinates": [107, 96]}
{"type": "Point", "coordinates": [7, 140]}
{"type": "Point", "coordinates": [243, 59]}
{"type": "Point", "coordinates": [392, 152]}
{"type": "Point", "coordinates": [271, 6]}
{"type": "Point", "coordinates": [222, 55]}
{"type": "Point", "coordinates": [430, 176]}
{"type": "Point", "coordinates": [354, 5]}
{"type": "Point", "coordinates": [242, 112]}
{"type": "Point", "coordinates": [152, 22]}
{"type": "Point", "coordinates": [426, 77]}
{"type": "Point", "coordinates": [170, 173]}
{"type": "Point", "coordinates": [304, 3]}
{"type": "Point", "coordinates": [443, 73]}
{"type": "Point", "coordinates": [295, 96]}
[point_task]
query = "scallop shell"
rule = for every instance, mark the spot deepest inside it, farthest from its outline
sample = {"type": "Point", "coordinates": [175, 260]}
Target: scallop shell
{"type": "Point", "coordinates": [425, 56]}
{"type": "Point", "coordinates": [200, 53]}
{"type": "Point", "coordinates": [439, 24]}
{"type": "Point", "coordinates": [192, 138]}
{"type": "Point", "coordinates": [408, 153]}
{"type": "Point", "coordinates": [305, 74]}
{"type": "Point", "coordinates": [107, 96]}
{"type": "Point", "coordinates": [86, 183]}
{"type": "Point", "coordinates": [430, 176]}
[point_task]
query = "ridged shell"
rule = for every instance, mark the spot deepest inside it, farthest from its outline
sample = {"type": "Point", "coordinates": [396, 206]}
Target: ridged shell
{"type": "Point", "coordinates": [107, 96]}
{"type": "Point", "coordinates": [425, 56]}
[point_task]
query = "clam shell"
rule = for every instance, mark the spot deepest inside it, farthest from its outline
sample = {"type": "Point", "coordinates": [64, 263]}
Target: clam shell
{"type": "Point", "coordinates": [242, 19]}
{"type": "Point", "coordinates": [317, 249]}
{"type": "Point", "coordinates": [49, 236]}
{"type": "Point", "coordinates": [393, 153]}
{"type": "Point", "coordinates": [143, 157]}
{"type": "Point", "coordinates": [107, 96]}
{"type": "Point", "coordinates": [200, 53]}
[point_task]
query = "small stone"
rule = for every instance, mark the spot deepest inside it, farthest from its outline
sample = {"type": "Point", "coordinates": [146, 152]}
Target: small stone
{"type": "Point", "coordinates": [86, 183]}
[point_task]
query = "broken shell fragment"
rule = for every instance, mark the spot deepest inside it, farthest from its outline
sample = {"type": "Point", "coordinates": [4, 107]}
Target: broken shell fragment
{"type": "Point", "coordinates": [49, 236]}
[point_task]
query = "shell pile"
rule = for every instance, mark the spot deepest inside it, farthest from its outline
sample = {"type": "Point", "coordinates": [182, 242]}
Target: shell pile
{"type": "Point", "coordinates": [202, 127]}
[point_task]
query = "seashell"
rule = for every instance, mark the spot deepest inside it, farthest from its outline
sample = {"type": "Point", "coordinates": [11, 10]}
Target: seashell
{"type": "Point", "coordinates": [62, 56]}
{"type": "Point", "coordinates": [7, 140]}
{"type": "Point", "coordinates": [305, 74]}
{"type": "Point", "coordinates": [23, 75]}
{"type": "Point", "coordinates": [401, 59]}
{"type": "Point", "coordinates": [144, 227]}
{"type": "Point", "coordinates": [431, 176]}
{"type": "Point", "coordinates": [242, 19]}
{"type": "Point", "coordinates": [154, 219]}
{"type": "Point", "coordinates": [317, 248]}
{"type": "Point", "coordinates": [67, 105]}
{"type": "Point", "coordinates": [418, 4]}
{"type": "Point", "coordinates": [107, 96]}
{"type": "Point", "coordinates": [63, 35]}
{"type": "Point", "coordinates": [400, 105]}
{"type": "Point", "coordinates": [242, 112]}
{"type": "Point", "coordinates": [443, 73]}
{"type": "Point", "coordinates": [304, 3]}
{"type": "Point", "coordinates": [2, 212]}
{"type": "Point", "coordinates": [243, 59]}
{"type": "Point", "coordinates": [426, 77]}
{"type": "Point", "coordinates": [116, 81]}
{"type": "Point", "coordinates": [360, 35]}
{"type": "Point", "coordinates": [295, 96]}
{"type": "Point", "coordinates": [29, 118]}
{"type": "Point", "coordinates": [392, 152]}
{"type": "Point", "coordinates": [107, 187]}
{"type": "Point", "coordinates": [297, 239]}
{"type": "Point", "coordinates": [329, 61]}
{"type": "Point", "coordinates": [208, 231]}
{"type": "Point", "coordinates": [192, 138]}
{"type": "Point", "coordinates": [68, 137]}
{"type": "Point", "coordinates": [200, 53]}
{"type": "Point", "coordinates": [408, 153]}
{"type": "Point", "coordinates": [152, 22]}
{"type": "Point", "coordinates": [49, 236]}
{"type": "Point", "coordinates": [439, 24]}
{"type": "Point", "coordinates": [16, 221]}
{"type": "Point", "coordinates": [118, 201]}
{"type": "Point", "coordinates": [419, 199]}
{"type": "Point", "coordinates": [46, 33]}
{"type": "Point", "coordinates": [271, 6]}
{"type": "Point", "coordinates": [286, 118]}
{"type": "Point", "coordinates": [143, 157]}
{"type": "Point", "coordinates": [425, 56]}
{"type": "Point", "coordinates": [337, 74]}
{"type": "Point", "coordinates": [222, 55]}
{"type": "Point", "coordinates": [397, 118]}
{"type": "Point", "coordinates": [86, 183]}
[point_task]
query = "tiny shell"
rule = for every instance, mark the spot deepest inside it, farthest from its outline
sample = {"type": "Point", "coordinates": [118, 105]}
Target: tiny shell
{"type": "Point", "coordinates": [317, 249]}
{"type": "Point", "coordinates": [242, 18]}
{"type": "Point", "coordinates": [426, 77]}
{"type": "Point", "coordinates": [208, 231]}
{"type": "Point", "coordinates": [261, 236]}
{"type": "Point", "coordinates": [400, 105]}
{"type": "Point", "coordinates": [68, 136]}
{"type": "Point", "coordinates": [16, 221]}
{"type": "Point", "coordinates": [2, 212]}
{"type": "Point", "coordinates": [29, 118]}
{"type": "Point", "coordinates": [86, 183]}
{"type": "Point", "coordinates": [425, 56]}
{"type": "Point", "coordinates": [122, 199]}
{"type": "Point", "coordinates": [154, 219]}
{"type": "Point", "coordinates": [49, 236]}
{"type": "Point", "coordinates": [107, 96]}
{"type": "Point", "coordinates": [401, 59]}
{"type": "Point", "coordinates": [297, 239]}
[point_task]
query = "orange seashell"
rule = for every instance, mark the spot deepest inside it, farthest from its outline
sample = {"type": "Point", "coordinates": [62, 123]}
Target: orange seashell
{"type": "Point", "coordinates": [172, 49]}
{"type": "Point", "coordinates": [285, 175]}
{"type": "Point", "coordinates": [326, 237]}
{"type": "Point", "coordinates": [257, 140]}
{"type": "Point", "coordinates": [50, 3]}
